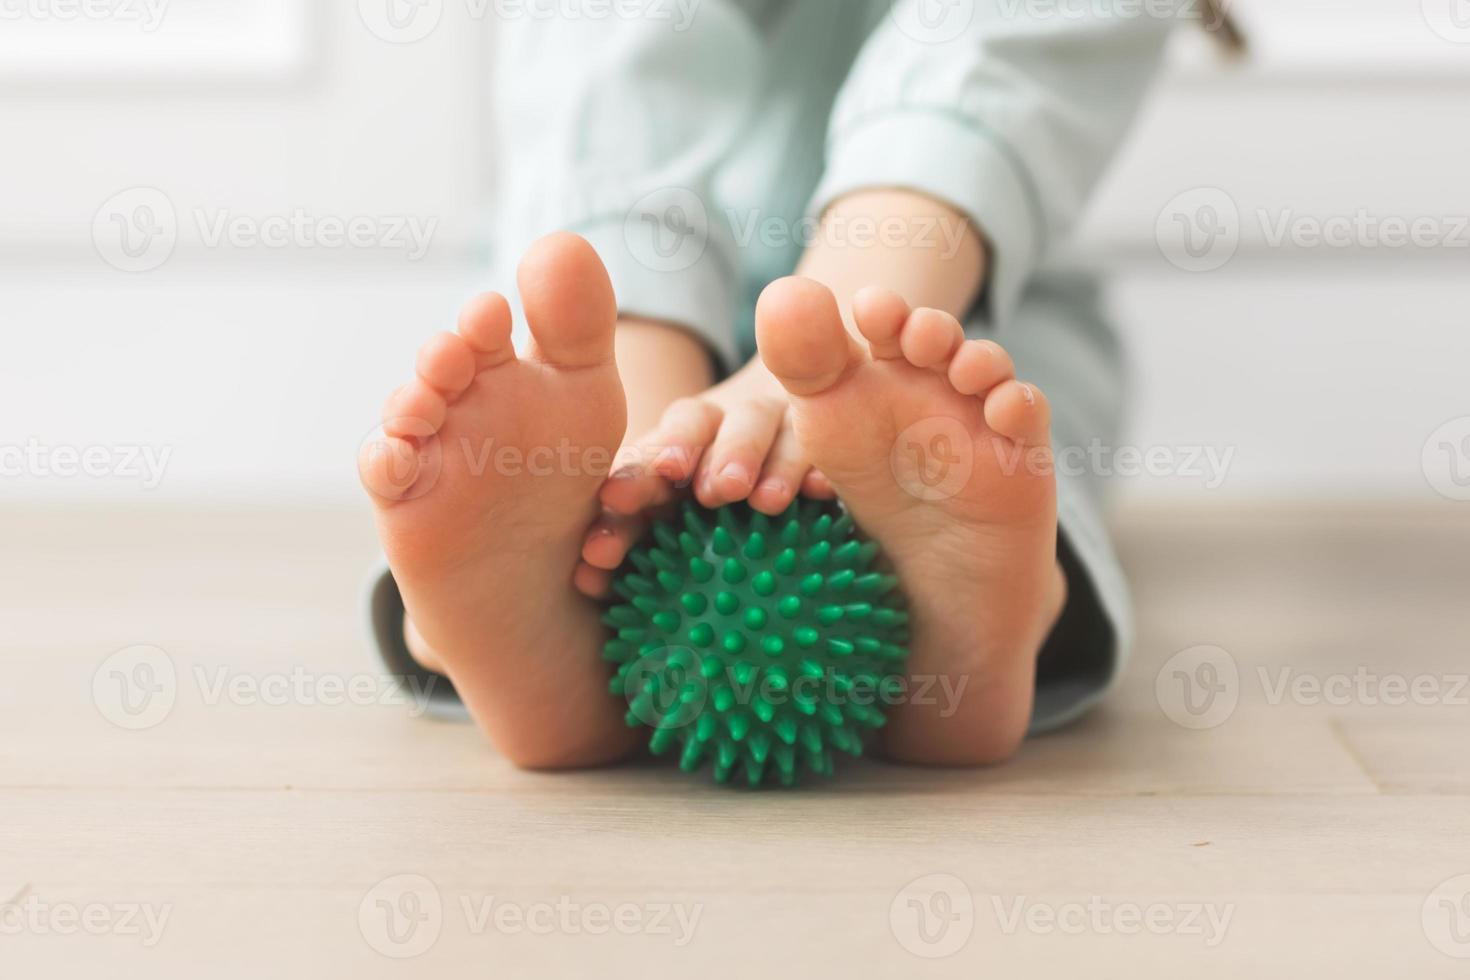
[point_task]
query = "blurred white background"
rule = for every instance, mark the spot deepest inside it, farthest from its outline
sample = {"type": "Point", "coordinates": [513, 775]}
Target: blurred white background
{"type": "Point", "coordinates": [1322, 366]}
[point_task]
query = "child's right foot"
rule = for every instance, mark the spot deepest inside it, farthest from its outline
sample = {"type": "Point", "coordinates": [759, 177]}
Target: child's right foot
{"type": "Point", "coordinates": [944, 458]}
{"type": "Point", "coordinates": [485, 481]}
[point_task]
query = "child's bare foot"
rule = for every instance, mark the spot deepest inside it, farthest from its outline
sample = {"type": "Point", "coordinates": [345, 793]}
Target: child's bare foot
{"type": "Point", "coordinates": [485, 481]}
{"type": "Point", "coordinates": [943, 457]}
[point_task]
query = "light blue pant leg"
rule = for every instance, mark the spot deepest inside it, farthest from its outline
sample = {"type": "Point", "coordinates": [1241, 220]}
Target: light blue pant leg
{"type": "Point", "coordinates": [1061, 342]}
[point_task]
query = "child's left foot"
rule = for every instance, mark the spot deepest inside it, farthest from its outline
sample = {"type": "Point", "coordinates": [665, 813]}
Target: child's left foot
{"type": "Point", "coordinates": [944, 458]}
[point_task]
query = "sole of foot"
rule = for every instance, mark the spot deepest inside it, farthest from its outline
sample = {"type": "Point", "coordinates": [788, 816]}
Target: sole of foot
{"type": "Point", "coordinates": [484, 479]}
{"type": "Point", "coordinates": [944, 458]}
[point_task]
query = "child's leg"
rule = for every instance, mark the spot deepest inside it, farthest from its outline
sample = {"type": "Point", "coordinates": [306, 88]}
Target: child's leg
{"type": "Point", "coordinates": [485, 483]}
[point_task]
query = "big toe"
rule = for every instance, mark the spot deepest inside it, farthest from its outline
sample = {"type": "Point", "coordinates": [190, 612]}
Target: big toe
{"type": "Point", "coordinates": [568, 300]}
{"type": "Point", "coordinates": [801, 336]}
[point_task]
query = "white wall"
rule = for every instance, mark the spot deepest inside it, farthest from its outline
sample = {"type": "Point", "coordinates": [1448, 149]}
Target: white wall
{"type": "Point", "coordinates": [1322, 369]}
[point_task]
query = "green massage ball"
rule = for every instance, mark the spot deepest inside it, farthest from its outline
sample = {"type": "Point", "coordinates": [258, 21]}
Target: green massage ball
{"type": "Point", "coordinates": [756, 643]}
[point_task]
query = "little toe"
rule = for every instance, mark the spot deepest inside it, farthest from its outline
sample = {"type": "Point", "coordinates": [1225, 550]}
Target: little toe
{"type": "Point", "coordinates": [930, 338]}
{"type": "Point", "coordinates": [1018, 411]}
{"type": "Point", "coordinates": [389, 467]}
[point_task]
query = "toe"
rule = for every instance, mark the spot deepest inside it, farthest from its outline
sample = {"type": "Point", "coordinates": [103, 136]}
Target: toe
{"type": "Point", "coordinates": [484, 323]}
{"type": "Point", "coordinates": [446, 364]}
{"type": "Point", "coordinates": [816, 485]}
{"type": "Point", "coordinates": [930, 338]}
{"type": "Point", "coordinates": [609, 541]}
{"type": "Point", "coordinates": [786, 467]}
{"type": "Point", "coordinates": [1018, 411]}
{"type": "Point", "coordinates": [880, 314]}
{"type": "Point", "coordinates": [569, 301]}
{"type": "Point", "coordinates": [414, 410]}
{"type": "Point", "coordinates": [801, 337]}
{"type": "Point", "coordinates": [978, 366]}
{"type": "Point", "coordinates": [388, 467]}
{"type": "Point", "coordinates": [594, 583]}
{"type": "Point", "coordinates": [733, 461]}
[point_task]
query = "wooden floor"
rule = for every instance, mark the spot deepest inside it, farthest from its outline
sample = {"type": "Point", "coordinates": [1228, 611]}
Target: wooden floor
{"type": "Point", "coordinates": [236, 835]}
